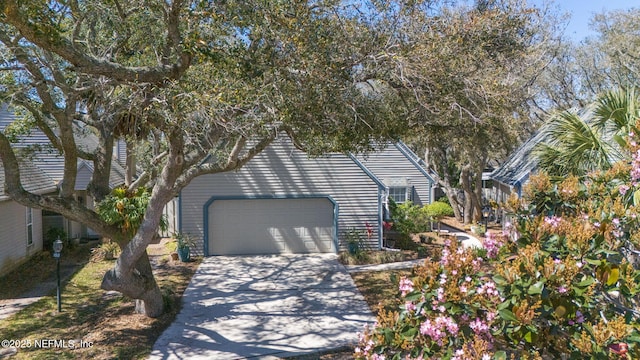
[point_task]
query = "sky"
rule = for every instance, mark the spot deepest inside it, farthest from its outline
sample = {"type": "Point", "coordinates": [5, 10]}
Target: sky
{"type": "Point", "coordinates": [581, 12]}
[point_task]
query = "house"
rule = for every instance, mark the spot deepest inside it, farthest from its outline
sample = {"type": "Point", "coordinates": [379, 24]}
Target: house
{"type": "Point", "coordinates": [41, 155]}
{"type": "Point", "coordinates": [283, 201]}
{"type": "Point", "coordinates": [403, 173]}
{"type": "Point", "coordinates": [21, 233]}
{"type": "Point", "coordinates": [510, 177]}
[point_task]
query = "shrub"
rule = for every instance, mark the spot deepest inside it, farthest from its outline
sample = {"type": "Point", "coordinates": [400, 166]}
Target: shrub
{"type": "Point", "coordinates": [105, 251]}
{"type": "Point", "coordinates": [52, 235]}
{"type": "Point", "coordinates": [126, 209]}
{"type": "Point", "coordinates": [437, 210]}
{"type": "Point", "coordinates": [408, 218]}
{"type": "Point", "coordinates": [557, 283]}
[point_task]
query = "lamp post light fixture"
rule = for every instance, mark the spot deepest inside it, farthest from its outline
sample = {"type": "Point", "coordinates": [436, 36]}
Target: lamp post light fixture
{"type": "Point", "coordinates": [486, 211]}
{"type": "Point", "coordinates": [57, 248]}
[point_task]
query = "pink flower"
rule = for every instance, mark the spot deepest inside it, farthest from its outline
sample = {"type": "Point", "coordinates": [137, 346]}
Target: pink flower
{"type": "Point", "coordinates": [488, 288]}
{"type": "Point", "coordinates": [552, 221]}
{"type": "Point", "coordinates": [410, 306]}
{"type": "Point", "coordinates": [562, 290]}
{"type": "Point", "coordinates": [623, 189]}
{"type": "Point", "coordinates": [405, 286]}
{"type": "Point", "coordinates": [479, 327]}
{"type": "Point", "coordinates": [491, 315]}
{"type": "Point", "coordinates": [492, 245]}
{"type": "Point", "coordinates": [438, 328]}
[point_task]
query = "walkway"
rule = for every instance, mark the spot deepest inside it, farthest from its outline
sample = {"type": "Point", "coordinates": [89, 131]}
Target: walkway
{"type": "Point", "coordinates": [8, 307]}
{"type": "Point", "coordinates": [466, 239]}
{"type": "Point", "coordinates": [239, 307]}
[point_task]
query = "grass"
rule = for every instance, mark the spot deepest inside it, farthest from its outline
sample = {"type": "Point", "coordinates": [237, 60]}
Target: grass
{"type": "Point", "coordinates": [105, 320]}
{"type": "Point", "coordinates": [38, 269]}
{"type": "Point", "coordinates": [380, 288]}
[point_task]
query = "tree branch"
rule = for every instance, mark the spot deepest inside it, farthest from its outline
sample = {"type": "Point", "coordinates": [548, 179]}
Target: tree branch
{"type": "Point", "coordinates": [51, 40]}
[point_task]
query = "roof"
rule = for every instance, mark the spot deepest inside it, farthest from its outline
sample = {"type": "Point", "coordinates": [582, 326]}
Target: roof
{"type": "Point", "coordinates": [33, 180]}
{"type": "Point", "coordinates": [48, 159]}
{"type": "Point", "coordinates": [522, 162]}
{"type": "Point", "coordinates": [415, 159]}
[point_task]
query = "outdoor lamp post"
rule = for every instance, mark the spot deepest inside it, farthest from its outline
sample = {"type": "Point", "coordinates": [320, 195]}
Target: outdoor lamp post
{"type": "Point", "coordinates": [57, 248]}
{"type": "Point", "coordinates": [486, 211]}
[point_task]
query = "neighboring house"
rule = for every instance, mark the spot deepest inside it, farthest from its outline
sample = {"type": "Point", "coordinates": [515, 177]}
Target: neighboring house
{"type": "Point", "coordinates": [21, 233]}
{"type": "Point", "coordinates": [41, 154]}
{"type": "Point", "coordinates": [512, 175]}
{"type": "Point", "coordinates": [403, 172]}
{"type": "Point", "coordinates": [283, 201]}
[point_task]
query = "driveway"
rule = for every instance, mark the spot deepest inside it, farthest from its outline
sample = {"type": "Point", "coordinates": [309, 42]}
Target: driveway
{"type": "Point", "coordinates": [265, 307]}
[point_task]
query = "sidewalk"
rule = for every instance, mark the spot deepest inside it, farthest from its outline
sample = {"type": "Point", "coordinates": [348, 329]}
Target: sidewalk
{"type": "Point", "coordinates": [8, 307]}
{"type": "Point", "coordinates": [466, 239]}
{"type": "Point", "coordinates": [388, 266]}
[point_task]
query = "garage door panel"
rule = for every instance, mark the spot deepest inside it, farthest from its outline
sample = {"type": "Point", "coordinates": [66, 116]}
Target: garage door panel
{"type": "Point", "coordinates": [271, 226]}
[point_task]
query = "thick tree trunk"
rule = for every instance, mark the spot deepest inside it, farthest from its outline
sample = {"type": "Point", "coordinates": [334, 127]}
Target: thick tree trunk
{"type": "Point", "coordinates": [139, 284]}
{"type": "Point", "coordinates": [465, 183]}
{"type": "Point", "coordinates": [132, 274]}
{"type": "Point", "coordinates": [454, 201]}
{"type": "Point", "coordinates": [477, 195]}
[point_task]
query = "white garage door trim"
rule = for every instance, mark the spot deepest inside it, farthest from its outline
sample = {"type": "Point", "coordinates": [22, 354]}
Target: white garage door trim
{"type": "Point", "coordinates": [208, 206]}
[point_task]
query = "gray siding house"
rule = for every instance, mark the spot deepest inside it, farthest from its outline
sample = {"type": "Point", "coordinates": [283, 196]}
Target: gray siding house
{"type": "Point", "coordinates": [44, 157]}
{"type": "Point", "coordinates": [513, 174]}
{"type": "Point", "coordinates": [402, 172]}
{"type": "Point", "coordinates": [21, 227]}
{"type": "Point", "coordinates": [282, 201]}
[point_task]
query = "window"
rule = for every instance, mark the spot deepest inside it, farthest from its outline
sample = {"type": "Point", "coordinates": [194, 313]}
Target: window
{"type": "Point", "coordinates": [29, 226]}
{"type": "Point", "coordinates": [398, 194]}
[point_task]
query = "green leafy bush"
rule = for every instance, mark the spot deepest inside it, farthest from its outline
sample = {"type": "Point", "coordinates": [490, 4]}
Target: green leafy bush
{"type": "Point", "coordinates": [560, 282]}
{"type": "Point", "coordinates": [438, 210]}
{"type": "Point", "coordinates": [52, 235]}
{"type": "Point", "coordinates": [408, 218]}
{"type": "Point", "coordinates": [126, 209]}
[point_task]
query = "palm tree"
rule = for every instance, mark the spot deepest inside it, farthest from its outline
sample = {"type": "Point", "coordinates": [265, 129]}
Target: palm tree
{"type": "Point", "coordinates": [577, 143]}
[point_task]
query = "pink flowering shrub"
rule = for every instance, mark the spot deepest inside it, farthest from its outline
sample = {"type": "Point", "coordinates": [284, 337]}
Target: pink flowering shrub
{"type": "Point", "coordinates": [561, 282]}
{"type": "Point", "coordinates": [446, 311]}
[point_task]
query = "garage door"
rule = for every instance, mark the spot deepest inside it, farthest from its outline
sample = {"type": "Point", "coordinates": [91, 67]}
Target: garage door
{"type": "Point", "coordinates": [271, 226]}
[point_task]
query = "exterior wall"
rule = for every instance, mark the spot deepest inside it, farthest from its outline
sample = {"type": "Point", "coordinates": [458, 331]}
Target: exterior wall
{"type": "Point", "coordinates": [283, 171]}
{"type": "Point", "coordinates": [501, 191]}
{"type": "Point", "coordinates": [13, 235]}
{"type": "Point", "coordinates": [120, 151]}
{"type": "Point", "coordinates": [171, 213]}
{"type": "Point", "coordinates": [391, 163]}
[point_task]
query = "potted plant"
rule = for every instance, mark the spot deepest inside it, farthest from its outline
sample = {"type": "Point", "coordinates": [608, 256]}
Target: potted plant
{"type": "Point", "coordinates": [183, 247]}
{"type": "Point", "coordinates": [353, 241]}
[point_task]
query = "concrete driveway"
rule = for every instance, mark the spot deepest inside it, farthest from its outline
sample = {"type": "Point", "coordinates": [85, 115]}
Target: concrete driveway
{"type": "Point", "coordinates": [265, 307]}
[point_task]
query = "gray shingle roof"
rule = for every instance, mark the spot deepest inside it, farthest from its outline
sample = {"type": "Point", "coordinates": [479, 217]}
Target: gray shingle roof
{"type": "Point", "coordinates": [47, 159]}
{"type": "Point", "coordinates": [33, 180]}
{"type": "Point", "coordinates": [517, 167]}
